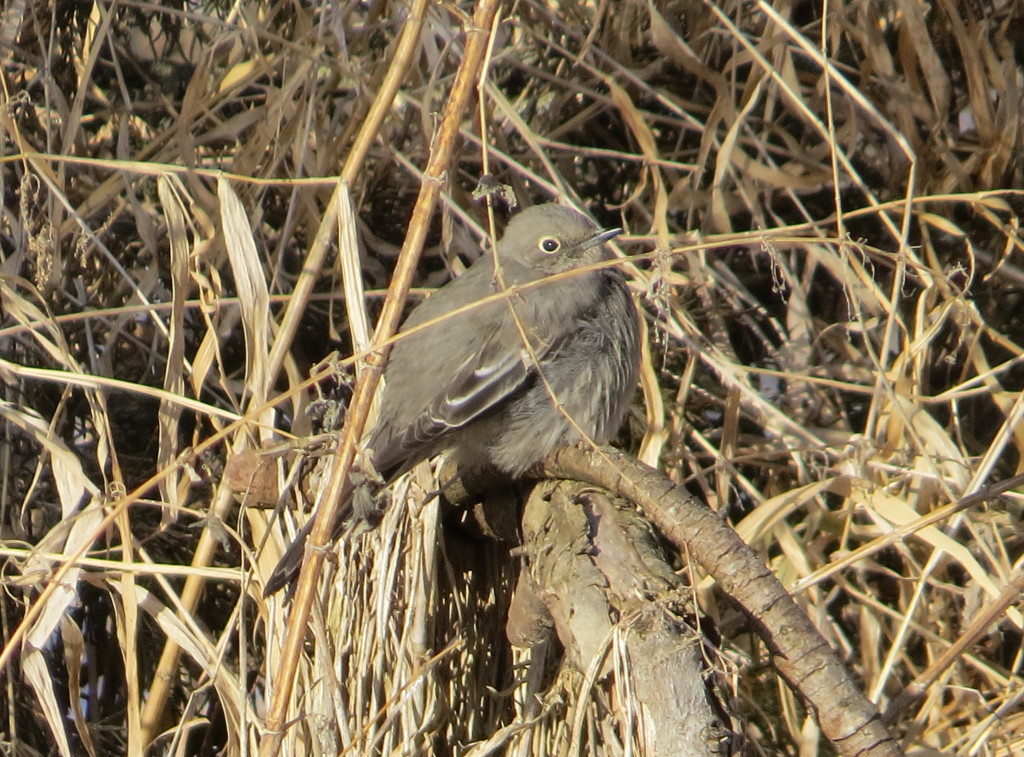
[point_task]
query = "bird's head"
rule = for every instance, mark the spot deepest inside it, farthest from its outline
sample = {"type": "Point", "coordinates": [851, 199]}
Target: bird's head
{"type": "Point", "coordinates": [554, 238]}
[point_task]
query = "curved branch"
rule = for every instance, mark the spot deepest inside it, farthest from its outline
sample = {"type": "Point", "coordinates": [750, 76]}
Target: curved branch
{"type": "Point", "coordinates": [800, 654]}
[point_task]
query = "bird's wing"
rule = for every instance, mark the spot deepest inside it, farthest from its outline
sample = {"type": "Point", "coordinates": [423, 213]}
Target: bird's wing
{"type": "Point", "coordinates": [479, 385]}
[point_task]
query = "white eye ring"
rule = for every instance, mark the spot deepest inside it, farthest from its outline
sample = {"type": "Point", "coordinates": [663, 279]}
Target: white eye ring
{"type": "Point", "coordinates": [549, 245]}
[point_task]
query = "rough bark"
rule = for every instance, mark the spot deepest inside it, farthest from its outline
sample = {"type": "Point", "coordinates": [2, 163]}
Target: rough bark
{"type": "Point", "coordinates": [800, 654]}
{"type": "Point", "coordinates": [592, 571]}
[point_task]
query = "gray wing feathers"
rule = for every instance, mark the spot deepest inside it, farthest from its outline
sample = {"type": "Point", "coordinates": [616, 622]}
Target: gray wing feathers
{"type": "Point", "coordinates": [473, 370]}
{"type": "Point", "coordinates": [482, 382]}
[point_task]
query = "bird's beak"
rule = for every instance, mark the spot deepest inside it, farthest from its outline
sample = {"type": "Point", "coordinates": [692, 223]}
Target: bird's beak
{"type": "Point", "coordinates": [600, 237]}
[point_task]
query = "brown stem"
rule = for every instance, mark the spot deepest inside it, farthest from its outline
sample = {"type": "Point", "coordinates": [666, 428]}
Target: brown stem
{"type": "Point", "coordinates": [433, 176]}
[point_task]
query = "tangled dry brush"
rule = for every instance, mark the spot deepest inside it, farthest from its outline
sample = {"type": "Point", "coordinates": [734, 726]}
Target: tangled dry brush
{"type": "Point", "coordinates": [822, 220]}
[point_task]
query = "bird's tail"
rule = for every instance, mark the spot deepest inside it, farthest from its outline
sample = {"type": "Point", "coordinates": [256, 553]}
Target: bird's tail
{"type": "Point", "coordinates": [287, 568]}
{"type": "Point", "coordinates": [361, 507]}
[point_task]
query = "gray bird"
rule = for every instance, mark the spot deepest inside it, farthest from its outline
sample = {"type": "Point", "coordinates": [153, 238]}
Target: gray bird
{"type": "Point", "coordinates": [471, 386]}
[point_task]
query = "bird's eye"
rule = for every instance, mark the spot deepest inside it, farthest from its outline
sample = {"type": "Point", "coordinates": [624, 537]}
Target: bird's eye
{"type": "Point", "coordinates": [549, 245]}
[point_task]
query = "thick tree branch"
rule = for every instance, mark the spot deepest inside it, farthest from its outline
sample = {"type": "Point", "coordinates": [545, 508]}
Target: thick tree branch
{"type": "Point", "coordinates": [593, 571]}
{"type": "Point", "coordinates": [799, 652]}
